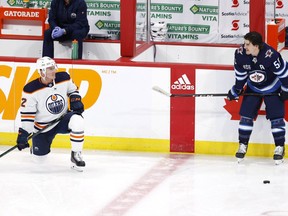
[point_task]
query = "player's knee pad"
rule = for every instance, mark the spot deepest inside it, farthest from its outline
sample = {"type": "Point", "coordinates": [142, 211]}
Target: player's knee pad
{"type": "Point", "coordinates": [245, 129]}
{"type": "Point", "coordinates": [76, 123]}
{"type": "Point", "coordinates": [246, 123]}
{"type": "Point", "coordinates": [278, 125]}
{"type": "Point", "coordinates": [278, 131]}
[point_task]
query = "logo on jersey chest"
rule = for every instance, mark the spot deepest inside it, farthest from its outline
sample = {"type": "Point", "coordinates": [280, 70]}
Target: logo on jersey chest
{"type": "Point", "coordinates": [55, 104]}
{"type": "Point", "coordinates": [257, 76]}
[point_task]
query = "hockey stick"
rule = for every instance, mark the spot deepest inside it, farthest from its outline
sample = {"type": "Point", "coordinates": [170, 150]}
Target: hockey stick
{"type": "Point", "coordinates": [34, 134]}
{"type": "Point", "coordinates": [160, 90]}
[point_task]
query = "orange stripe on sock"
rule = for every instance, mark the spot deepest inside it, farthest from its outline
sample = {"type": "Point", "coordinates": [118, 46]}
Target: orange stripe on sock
{"type": "Point", "coordinates": [27, 116]}
{"type": "Point", "coordinates": [77, 136]}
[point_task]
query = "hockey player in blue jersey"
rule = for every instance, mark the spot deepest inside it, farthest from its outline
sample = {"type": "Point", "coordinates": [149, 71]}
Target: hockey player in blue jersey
{"type": "Point", "coordinates": [46, 99]}
{"type": "Point", "coordinates": [262, 70]}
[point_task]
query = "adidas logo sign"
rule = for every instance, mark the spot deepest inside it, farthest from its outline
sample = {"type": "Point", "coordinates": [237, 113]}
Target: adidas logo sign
{"type": "Point", "coordinates": [183, 83]}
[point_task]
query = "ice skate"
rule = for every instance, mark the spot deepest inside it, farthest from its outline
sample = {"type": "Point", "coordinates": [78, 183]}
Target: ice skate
{"type": "Point", "coordinates": [279, 153]}
{"type": "Point", "coordinates": [77, 161]}
{"type": "Point", "coordinates": [240, 154]}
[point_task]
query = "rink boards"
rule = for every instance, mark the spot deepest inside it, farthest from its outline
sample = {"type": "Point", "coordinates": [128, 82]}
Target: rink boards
{"type": "Point", "coordinates": [122, 112]}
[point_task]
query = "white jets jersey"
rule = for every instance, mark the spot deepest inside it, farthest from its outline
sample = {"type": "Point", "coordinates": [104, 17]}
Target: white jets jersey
{"type": "Point", "coordinates": [42, 103]}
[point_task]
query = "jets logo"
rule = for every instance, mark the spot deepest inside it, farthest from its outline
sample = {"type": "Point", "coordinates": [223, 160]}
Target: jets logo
{"type": "Point", "coordinates": [55, 104]}
{"type": "Point", "coordinates": [268, 53]}
{"type": "Point", "coordinates": [257, 76]}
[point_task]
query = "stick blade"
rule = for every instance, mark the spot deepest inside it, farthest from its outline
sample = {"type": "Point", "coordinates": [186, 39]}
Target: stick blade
{"type": "Point", "coordinates": [160, 90]}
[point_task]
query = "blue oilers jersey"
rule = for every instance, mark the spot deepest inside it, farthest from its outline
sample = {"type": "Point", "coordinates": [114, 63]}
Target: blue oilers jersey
{"type": "Point", "coordinates": [42, 103]}
{"type": "Point", "coordinates": [264, 73]}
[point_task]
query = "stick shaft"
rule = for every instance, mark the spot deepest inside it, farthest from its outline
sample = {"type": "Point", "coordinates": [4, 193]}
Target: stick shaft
{"type": "Point", "coordinates": [200, 95]}
{"type": "Point", "coordinates": [9, 150]}
{"type": "Point", "coordinates": [220, 95]}
{"type": "Point", "coordinates": [160, 90]}
{"type": "Point", "coordinates": [33, 135]}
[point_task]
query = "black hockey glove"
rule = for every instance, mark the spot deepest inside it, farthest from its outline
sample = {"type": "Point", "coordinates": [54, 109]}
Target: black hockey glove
{"type": "Point", "coordinates": [283, 95]}
{"type": "Point", "coordinates": [76, 104]}
{"type": "Point", "coordinates": [22, 139]}
{"type": "Point", "coordinates": [234, 93]}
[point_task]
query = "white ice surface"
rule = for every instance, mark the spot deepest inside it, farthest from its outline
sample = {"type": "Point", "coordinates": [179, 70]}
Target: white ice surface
{"type": "Point", "coordinates": [141, 184]}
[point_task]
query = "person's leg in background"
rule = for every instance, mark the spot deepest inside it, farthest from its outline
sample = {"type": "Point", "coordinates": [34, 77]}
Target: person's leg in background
{"type": "Point", "coordinates": [48, 44]}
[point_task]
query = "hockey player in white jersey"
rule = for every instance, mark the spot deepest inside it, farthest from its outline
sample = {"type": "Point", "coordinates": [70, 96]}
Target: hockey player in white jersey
{"type": "Point", "coordinates": [46, 99]}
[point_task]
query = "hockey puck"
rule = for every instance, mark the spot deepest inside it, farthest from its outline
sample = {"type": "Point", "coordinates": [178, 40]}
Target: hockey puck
{"type": "Point", "coordinates": [266, 182]}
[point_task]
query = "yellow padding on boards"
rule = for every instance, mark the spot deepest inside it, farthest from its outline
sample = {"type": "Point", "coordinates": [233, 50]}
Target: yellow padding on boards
{"type": "Point", "coordinates": [102, 143]}
{"type": "Point", "coordinates": [230, 148]}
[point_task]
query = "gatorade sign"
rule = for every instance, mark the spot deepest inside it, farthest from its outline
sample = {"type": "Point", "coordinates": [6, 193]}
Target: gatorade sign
{"type": "Point", "coordinates": [21, 14]}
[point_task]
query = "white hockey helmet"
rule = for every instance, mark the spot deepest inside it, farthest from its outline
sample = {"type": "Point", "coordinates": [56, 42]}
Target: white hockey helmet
{"type": "Point", "coordinates": [43, 63]}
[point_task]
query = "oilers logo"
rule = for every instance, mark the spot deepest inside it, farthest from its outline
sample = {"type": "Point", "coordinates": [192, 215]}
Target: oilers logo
{"type": "Point", "coordinates": [257, 76]}
{"type": "Point", "coordinates": [55, 104]}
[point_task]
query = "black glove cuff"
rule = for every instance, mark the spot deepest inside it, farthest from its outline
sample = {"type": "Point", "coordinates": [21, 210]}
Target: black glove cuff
{"type": "Point", "coordinates": [76, 104]}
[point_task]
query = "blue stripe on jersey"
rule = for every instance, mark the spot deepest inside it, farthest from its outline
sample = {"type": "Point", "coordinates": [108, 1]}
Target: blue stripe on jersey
{"type": "Point", "coordinates": [27, 120]}
{"type": "Point", "coordinates": [27, 116]}
{"type": "Point", "coordinates": [29, 113]}
{"type": "Point", "coordinates": [37, 128]}
{"type": "Point", "coordinates": [266, 89]}
{"type": "Point", "coordinates": [283, 72]}
{"type": "Point", "coordinates": [240, 75]}
{"type": "Point", "coordinates": [283, 75]}
{"type": "Point", "coordinates": [36, 84]}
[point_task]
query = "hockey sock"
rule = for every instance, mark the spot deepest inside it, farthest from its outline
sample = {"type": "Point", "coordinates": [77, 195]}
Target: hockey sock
{"type": "Point", "coordinates": [76, 125]}
{"type": "Point", "coordinates": [278, 131]}
{"type": "Point", "coordinates": [245, 129]}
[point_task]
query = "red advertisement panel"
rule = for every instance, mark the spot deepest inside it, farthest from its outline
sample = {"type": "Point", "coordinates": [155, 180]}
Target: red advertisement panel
{"type": "Point", "coordinates": [182, 130]}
